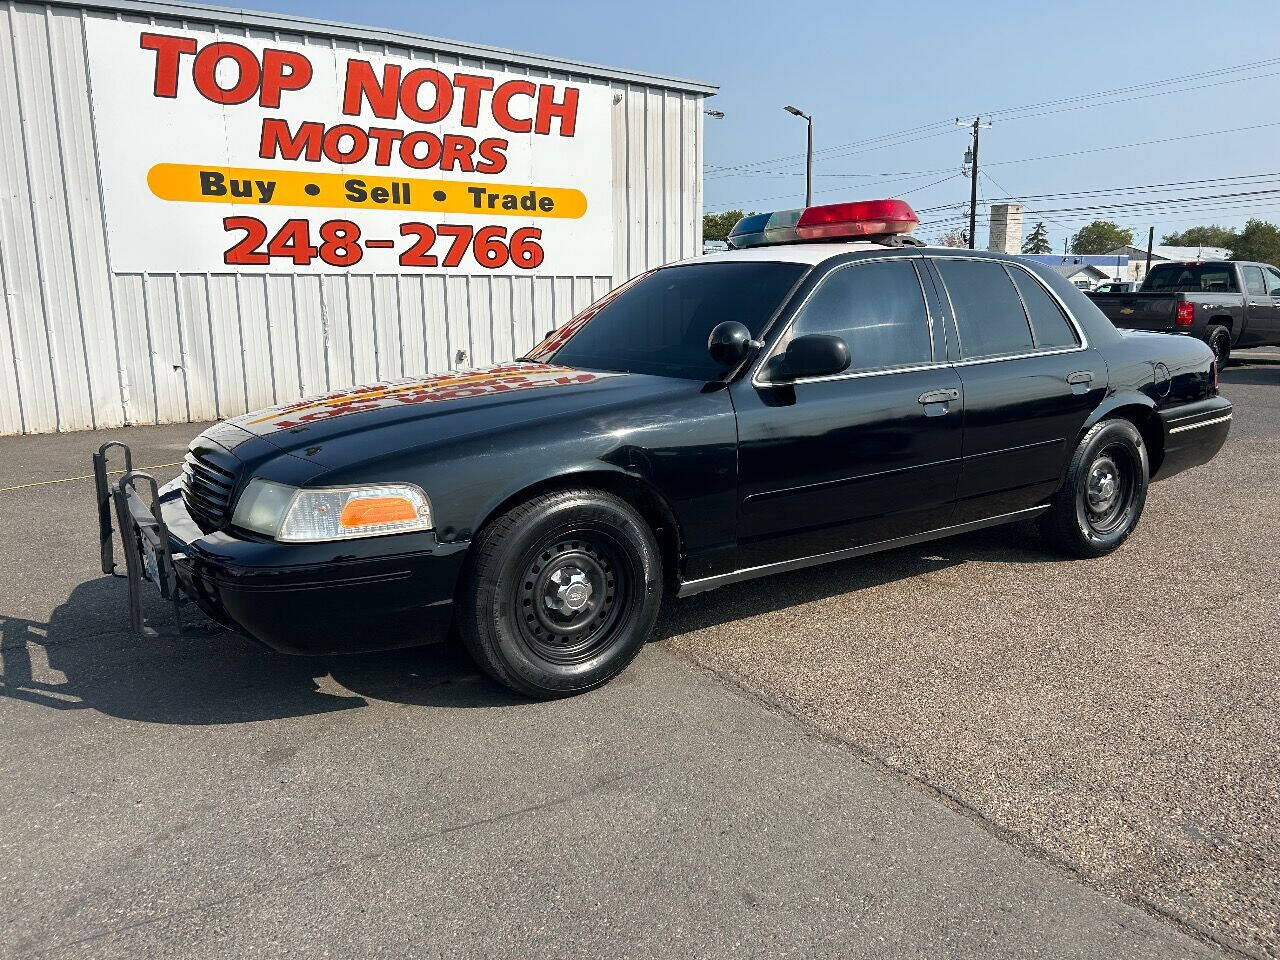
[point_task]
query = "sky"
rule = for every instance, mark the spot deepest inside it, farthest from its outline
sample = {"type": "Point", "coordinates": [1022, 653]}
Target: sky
{"type": "Point", "coordinates": [1083, 79]}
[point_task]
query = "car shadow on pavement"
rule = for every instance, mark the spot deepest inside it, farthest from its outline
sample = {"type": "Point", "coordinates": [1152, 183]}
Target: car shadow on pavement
{"type": "Point", "coordinates": [85, 657]}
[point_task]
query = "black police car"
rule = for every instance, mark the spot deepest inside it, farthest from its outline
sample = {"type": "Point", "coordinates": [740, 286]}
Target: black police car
{"type": "Point", "coordinates": [828, 388]}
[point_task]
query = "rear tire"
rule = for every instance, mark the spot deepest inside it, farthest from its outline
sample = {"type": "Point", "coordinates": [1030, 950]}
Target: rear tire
{"type": "Point", "coordinates": [1102, 496]}
{"type": "Point", "coordinates": [561, 593]}
{"type": "Point", "coordinates": [1219, 340]}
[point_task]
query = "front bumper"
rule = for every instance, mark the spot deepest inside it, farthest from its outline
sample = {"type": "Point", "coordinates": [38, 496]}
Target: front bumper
{"type": "Point", "coordinates": [371, 594]}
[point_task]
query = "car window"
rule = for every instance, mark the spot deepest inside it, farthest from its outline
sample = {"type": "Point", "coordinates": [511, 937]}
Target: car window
{"type": "Point", "coordinates": [659, 322]}
{"type": "Point", "coordinates": [988, 310]}
{"type": "Point", "coordinates": [878, 310]}
{"type": "Point", "coordinates": [1253, 281]}
{"type": "Point", "coordinates": [1192, 278]}
{"type": "Point", "coordinates": [1049, 324]}
{"type": "Point", "coordinates": [1273, 281]}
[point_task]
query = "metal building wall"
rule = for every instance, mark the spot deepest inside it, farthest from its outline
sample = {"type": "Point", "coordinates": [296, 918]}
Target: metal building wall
{"type": "Point", "coordinates": [83, 347]}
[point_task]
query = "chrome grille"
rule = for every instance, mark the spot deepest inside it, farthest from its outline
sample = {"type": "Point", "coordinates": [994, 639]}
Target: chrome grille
{"type": "Point", "coordinates": [208, 481]}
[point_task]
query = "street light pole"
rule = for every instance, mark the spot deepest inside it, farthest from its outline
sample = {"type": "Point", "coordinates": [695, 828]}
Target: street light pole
{"type": "Point", "coordinates": [808, 164]}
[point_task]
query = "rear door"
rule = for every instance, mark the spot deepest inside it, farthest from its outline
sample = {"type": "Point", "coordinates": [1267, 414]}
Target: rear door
{"type": "Point", "coordinates": [864, 456]}
{"type": "Point", "coordinates": [1270, 332]}
{"type": "Point", "coordinates": [1260, 314]}
{"type": "Point", "coordinates": [1029, 378]}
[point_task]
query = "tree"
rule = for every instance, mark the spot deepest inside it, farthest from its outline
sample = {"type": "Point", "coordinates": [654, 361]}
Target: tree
{"type": "Point", "coordinates": [1101, 236]}
{"type": "Point", "coordinates": [1260, 241]}
{"type": "Point", "coordinates": [1211, 236]}
{"type": "Point", "coordinates": [1038, 240]}
{"type": "Point", "coordinates": [954, 238]}
{"type": "Point", "coordinates": [716, 226]}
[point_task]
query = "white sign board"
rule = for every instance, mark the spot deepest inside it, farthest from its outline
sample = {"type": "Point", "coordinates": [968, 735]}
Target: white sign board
{"type": "Point", "coordinates": [222, 153]}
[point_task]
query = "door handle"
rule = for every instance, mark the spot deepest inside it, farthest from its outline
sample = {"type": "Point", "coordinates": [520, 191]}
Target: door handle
{"type": "Point", "coordinates": [1081, 376]}
{"type": "Point", "coordinates": [939, 396]}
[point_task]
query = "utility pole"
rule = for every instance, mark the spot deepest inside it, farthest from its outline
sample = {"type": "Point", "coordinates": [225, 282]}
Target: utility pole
{"type": "Point", "coordinates": [973, 180]}
{"type": "Point", "coordinates": [1151, 242]}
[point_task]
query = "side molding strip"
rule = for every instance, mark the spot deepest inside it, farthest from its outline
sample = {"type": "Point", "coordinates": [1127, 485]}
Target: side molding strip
{"type": "Point", "coordinates": [1202, 423]}
{"type": "Point", "coordinates": [690, 587]}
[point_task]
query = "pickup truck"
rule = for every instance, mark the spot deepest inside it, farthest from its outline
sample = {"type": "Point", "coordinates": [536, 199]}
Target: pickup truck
{"type": "Point", "coordinates": [1228, 304]}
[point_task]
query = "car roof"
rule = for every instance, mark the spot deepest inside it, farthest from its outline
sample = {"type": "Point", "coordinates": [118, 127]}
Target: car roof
{"type": "Point", "coordinates": [811, 253]}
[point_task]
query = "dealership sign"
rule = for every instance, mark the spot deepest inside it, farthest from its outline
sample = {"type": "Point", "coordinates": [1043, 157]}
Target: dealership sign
{"type": "Point", "coordinates": [222, 153]}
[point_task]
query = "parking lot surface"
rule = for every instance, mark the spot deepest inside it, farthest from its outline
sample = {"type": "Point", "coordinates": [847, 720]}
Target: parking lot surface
{"type": "Point", "coordinates": [968, 748]}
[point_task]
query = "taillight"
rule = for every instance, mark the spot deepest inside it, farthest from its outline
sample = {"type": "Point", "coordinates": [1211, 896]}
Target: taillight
{"type": "Point", "coordinates": [1184, 314]}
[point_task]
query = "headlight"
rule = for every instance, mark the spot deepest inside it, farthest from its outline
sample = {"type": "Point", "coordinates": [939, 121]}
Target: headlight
{"type": "Point", "coordinates": [294, 515]}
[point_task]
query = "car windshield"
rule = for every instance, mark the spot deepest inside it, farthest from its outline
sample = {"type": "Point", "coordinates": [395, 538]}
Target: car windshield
{"type": "Point", "coordinates": [1192, 278]}
{"type": "Point", "coordinates": [659, 322]}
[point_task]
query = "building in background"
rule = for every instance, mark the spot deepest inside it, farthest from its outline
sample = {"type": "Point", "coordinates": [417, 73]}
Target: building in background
{"type": "Point", "coordinates": [1084, 270]}
{"type": "Point", "coordinates": [208, 211]}
{"type": "Point", "coordinates": [1006, 228]}
{"type": "Point", "coordinates": [1136, 271]}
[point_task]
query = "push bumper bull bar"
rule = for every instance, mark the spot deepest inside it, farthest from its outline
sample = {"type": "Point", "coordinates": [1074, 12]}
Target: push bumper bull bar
{"type": "Point", "coordinates": [144, 539]}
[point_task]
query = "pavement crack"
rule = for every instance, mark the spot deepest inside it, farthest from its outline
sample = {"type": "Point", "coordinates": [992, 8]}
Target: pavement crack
{"type": "Point", "coordinates": [783, 707]}
{"type": "Point", "coordinates": [599, 785]}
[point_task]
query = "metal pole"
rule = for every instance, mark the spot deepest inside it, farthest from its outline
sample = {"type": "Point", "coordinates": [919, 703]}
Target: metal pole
{"type": "Point", "coordinates": [973, 190]}
{"type": "Point", "coordinates": [808, 170]}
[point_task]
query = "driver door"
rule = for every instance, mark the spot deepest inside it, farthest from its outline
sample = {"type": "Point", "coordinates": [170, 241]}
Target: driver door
{"type": "Point", "coordinates": [867, 455]}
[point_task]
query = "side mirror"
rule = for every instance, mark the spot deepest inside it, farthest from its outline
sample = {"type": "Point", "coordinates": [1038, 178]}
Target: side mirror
{"type": "Point", "coordinates": [729, 343]}
{"type": "Point", "coordinates": [815, 355]}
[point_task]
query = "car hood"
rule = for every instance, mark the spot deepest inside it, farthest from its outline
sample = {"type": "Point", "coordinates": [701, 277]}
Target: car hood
{"type": "Point", "coordinates": [382, 417]}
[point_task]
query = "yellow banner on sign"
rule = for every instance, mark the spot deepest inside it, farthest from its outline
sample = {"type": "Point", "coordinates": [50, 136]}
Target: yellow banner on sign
{"type": "Point", "coordinates": [196, 183]}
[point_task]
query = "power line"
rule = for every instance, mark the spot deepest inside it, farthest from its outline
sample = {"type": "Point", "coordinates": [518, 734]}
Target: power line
{"type": "Point", "coordinates": [1146, 187]}
{"type": "Point", "coordinates": [1005, 112]}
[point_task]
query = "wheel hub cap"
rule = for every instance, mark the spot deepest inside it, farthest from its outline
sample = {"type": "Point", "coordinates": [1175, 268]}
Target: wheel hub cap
{"type": "Point", "coordinates": [568, 590]}
{"type": "Point", "coordinates": [1104, 484]}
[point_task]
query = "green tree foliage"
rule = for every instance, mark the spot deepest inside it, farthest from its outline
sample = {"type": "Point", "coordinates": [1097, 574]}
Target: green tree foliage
{"type": "Point", "coordinates": [1260, 241]}
{"type": "Point", "coordinates": [1211, 236]}
{"type": "Point", "coordinates": [716, 226]}
{"type": "Point", "coordinates": [1038, 240]}
{"type": "Point", "coordinates": [1101, 236]}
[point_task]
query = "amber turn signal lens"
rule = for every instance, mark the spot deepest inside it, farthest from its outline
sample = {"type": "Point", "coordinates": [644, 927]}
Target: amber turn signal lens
{"type": "Point", "coordinates": [372, 511]}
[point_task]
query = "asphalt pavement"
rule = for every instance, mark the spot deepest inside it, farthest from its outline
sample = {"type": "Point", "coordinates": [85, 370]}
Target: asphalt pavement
{"type": "Point", "coordinates": [964, 749]}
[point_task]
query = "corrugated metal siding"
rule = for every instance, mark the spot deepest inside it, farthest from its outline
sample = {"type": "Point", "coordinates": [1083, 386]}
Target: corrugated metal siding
{"type": "Point", "coordinates": [82, 347]}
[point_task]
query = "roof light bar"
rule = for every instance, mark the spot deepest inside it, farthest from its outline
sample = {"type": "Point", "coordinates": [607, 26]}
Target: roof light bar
{"type": "Point", "coordinates": [765, 229]}
{"type": "Point", "coordinates": [860, 218]}
{"type": "Point", "coordinates": [835, 221]}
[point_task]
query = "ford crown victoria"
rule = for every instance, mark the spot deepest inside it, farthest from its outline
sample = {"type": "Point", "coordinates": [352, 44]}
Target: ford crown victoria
{"type": "Point", "coordinates": [827, 388]}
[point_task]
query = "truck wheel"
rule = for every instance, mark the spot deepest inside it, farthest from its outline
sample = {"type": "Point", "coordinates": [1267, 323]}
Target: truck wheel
{"type": "Point", "coordinates": [1219, 340]}
{"type": "Point", "coordinates": [1103, 494]}
{"type": "Point", "coordinates": [561, 592]}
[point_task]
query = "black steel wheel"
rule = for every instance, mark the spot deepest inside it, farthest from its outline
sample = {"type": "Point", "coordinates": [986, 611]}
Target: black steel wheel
{"type": "Point", "coordinates": [570, 597]}
{"type": "Point", "coordinates": [1103, 493]}
{"type": "Point", "coordinates": [561, 592]}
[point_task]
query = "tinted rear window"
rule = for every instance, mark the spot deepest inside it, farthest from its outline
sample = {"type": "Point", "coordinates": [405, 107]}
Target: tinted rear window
{"type": "Point", "coordinates": [1192, 278]}
{"type": "Point", "coordinates": [659, 323]}
{"type": "Point", "coordinates": [987, 307]}
{"type": "Point", "coordinates": [1048, 322]}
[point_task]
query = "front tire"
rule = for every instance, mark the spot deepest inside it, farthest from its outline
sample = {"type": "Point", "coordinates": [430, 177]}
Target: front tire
{"type": "Point", "coordinates": [561, 593]}
{"type": "Point", "coordinates": [1103, 494]}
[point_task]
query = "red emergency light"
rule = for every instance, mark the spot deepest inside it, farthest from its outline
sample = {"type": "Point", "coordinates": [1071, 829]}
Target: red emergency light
{"type": "Point", "coordinates": [835, 221]}
{"type": "Point", "coordinates": [860, 218]}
